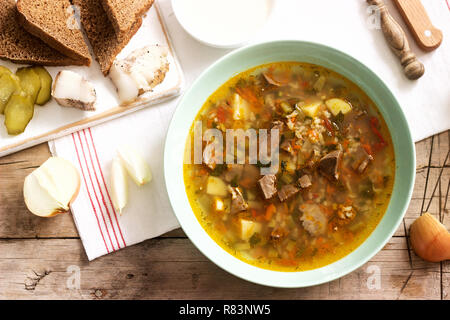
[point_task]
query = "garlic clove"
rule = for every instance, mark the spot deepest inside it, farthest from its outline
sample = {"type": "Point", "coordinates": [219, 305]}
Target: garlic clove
{"type": "Point", "coordinates": [135, 164]}
{"type": "Point", "coordinates": [430, 239]}
{"type": "Point", "coordinates": [119, 185]}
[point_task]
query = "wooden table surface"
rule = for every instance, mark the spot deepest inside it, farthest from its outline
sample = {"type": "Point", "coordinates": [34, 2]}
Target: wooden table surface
{"type": "Point", "coordinates": [44, 258]}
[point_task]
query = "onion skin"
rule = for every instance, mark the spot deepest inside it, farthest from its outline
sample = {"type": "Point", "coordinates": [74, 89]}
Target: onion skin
{"type": "Point", "coordinates": [430, 239]}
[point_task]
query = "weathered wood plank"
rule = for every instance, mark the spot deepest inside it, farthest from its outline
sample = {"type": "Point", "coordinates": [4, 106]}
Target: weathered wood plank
{"type": "Point", "coordinates": [421, 178]}
{"type": "Point", "coordinates": [15, 220]}
{"type": "Point", "coordinates": [175, 269]}
{"type": "Point", "coordinates": [446, 280]}
{"type": "Point", "coordinates": [414, 212]}
{"type": "Point", "coordinates": [171, 267]}
{"type": "Point", "coordinates": [444, 209]}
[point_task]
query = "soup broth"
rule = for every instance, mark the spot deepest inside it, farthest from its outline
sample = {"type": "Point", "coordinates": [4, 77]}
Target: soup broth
{"type": "Point", "coordinates": [333, 179]}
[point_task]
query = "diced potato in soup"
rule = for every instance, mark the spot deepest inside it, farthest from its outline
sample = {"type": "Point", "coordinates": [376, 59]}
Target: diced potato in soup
{"type": "Point", "coordinates": [330, 186]}
{"type": "Point", "coordinates": [216, 187]}
{"type": "Point", "coordinates": [311, 109]}
{"type": "Point", "coordinates": [249, 228]}
{"type": "Point", "coordinates": [338, 105]}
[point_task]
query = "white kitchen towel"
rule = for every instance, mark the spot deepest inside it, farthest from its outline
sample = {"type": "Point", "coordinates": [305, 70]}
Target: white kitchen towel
{"type": "Point", "coordinates": [344, 25]}
{"type": "Point", "coordinates": [148, 214]}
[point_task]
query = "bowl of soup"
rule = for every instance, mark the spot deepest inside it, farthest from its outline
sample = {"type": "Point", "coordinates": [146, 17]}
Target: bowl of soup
{"type": "Point", "coordinates": [289, 163]}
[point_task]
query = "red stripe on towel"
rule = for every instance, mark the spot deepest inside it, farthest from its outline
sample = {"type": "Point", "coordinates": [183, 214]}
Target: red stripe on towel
{"type": "Point", "coordinates": [106, 187]}
{"type": "Point", "coordinates": [100, 188]}
{"type": "Point", "coordinates": [87, 190]}
{"type": "Point", "coordinates": [95, 192]}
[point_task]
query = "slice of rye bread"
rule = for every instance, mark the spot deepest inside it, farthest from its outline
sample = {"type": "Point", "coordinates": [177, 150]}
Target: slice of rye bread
{"type": "Point", "coordinates": [123, 13]}
{"type": "Point", "coordinates": [17, 45]}
{"type": "Point", "coordinates": [104, 41]}
{"type": "Point", "coordinates": [50, 21]}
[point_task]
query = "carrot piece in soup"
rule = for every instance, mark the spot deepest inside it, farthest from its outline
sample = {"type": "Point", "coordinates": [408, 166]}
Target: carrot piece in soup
{"type": "Point", "coordinates": [248, 94]}
{"type": "Point", "coordinates": [221, 114]}
{"type": "Point", "coordinates": [374, 124]}
{"type": "Point", "coordinates": [271, 209]}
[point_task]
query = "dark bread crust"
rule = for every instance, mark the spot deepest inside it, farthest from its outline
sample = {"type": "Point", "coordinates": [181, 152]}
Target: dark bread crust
{"type": "Point", "coordinates": [19, 46]}
{"type": "Point", "coordinates": [102, 36]}
{"type": "Point", "coordinates": [53, 30]}
{"type": "Point", "coordinates": [123, 13]}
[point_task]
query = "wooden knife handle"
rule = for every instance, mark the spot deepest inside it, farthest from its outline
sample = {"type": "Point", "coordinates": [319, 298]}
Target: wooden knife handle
{"type": "Point", "coordinates": [427, 36]}
{"type": "Point", "coordinates": [398, 42]}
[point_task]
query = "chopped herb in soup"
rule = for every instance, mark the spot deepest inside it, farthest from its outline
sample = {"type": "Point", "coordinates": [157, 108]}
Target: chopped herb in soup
{"type": "Point", "coordinates": [333, 178]}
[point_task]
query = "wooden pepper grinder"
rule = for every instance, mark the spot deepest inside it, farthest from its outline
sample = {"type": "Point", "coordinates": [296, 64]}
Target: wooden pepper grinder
{"type": "Point", "coordinates": [398, 42]}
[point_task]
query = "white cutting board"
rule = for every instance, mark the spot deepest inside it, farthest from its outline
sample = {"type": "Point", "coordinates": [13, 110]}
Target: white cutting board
{"type": "Point", "coordinates": [52, 121]}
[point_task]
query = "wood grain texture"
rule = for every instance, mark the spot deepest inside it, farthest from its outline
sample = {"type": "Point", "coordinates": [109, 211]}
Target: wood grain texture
{"type": "Point", "coordinates": [427, 36]}
{"type": "Point", "coordinates": [397, 41]}
{"type": "Point", "coordinates": [15, 220]}
{"type": "Point", "coordinates": [36, 253]}
{"type": "Point", "coordinates": [175, 269]}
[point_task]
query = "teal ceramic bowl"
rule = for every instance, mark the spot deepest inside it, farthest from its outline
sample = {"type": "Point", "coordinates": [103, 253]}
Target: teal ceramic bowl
{"type": "Point", "coordinates": [251, 56]}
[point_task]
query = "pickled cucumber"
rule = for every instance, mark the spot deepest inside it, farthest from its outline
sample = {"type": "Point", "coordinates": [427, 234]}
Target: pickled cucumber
{"type": "Point", "coordinates": [44, 94]}
{"type": "Point", "coordinates": [9, 84]}
{"type": "Point", "coordinates": [18, 113]}
{"type": "Point", "coordinates": [30, 82]}
{"type": "Point", "coordinates": [4, 70]}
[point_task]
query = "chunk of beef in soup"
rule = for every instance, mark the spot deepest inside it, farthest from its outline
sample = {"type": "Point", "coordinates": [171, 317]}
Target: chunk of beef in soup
{"type": "Point", "coordinates": [287, 191]}
{"type": "Point", "coordinates": [361, 160]}
{"type": "Point", "coordinates": [304, 181]}
{"type": "Point", "coordinates": [329, 165]}
{"type": "Point", "coordinates": [238, 203]}
{"type": "Point", "coordinates": [268, 185]}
